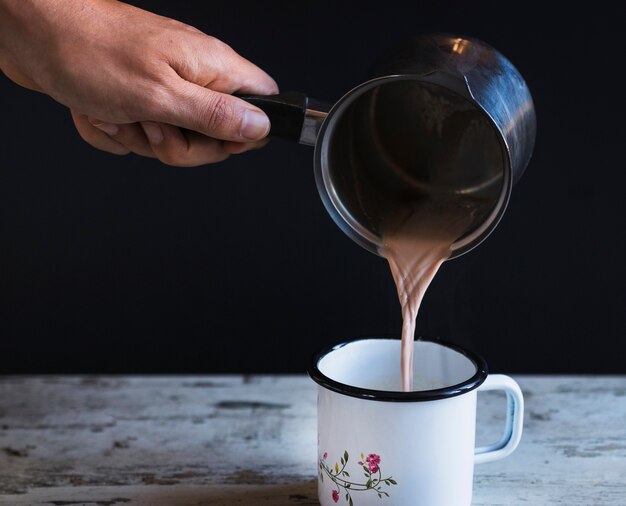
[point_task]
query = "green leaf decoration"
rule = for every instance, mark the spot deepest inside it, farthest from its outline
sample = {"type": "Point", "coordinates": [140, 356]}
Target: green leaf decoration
{"type": "Point", "coordinates": [342, 480]}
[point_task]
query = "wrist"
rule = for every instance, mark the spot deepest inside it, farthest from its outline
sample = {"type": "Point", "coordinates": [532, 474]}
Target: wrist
{"type": "Point", "coordinates": [22, 31]}
{"type": "Point", "coordinates": [30, 35]}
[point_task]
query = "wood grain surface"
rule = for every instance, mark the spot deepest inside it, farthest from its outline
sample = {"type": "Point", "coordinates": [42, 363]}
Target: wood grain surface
{"type": "Point", "coordinates": [218, 440]}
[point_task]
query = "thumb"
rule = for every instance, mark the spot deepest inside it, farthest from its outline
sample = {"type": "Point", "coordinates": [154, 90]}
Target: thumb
{"type": "Point", "coordinates": [214, 114]}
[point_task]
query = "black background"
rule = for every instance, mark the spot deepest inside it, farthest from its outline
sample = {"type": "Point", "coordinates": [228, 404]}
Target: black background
{"type": "Point", "coordinates": [121, 264]}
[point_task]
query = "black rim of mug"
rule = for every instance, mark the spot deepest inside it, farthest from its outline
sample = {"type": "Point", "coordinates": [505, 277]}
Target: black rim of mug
{"type": "Point", "coordinates": [389, 396]}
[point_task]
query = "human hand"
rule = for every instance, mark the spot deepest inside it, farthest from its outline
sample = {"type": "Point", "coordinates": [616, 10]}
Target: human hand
{"type": "Point", "coordinates": [135, 81]}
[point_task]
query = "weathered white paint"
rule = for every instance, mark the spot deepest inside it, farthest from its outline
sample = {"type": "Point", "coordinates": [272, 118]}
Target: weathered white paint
{"type": "Point", "coordinates": [216, 440]}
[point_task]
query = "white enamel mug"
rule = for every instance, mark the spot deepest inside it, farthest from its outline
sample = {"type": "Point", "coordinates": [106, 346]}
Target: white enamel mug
{"type": "Point", "coordinates": [380, 446]}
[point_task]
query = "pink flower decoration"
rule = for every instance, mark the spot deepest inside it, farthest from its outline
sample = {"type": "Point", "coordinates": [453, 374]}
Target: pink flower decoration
{"type": "Point", "coordinates": [360, 463]}
{"type": "Point", "coordinates": [372, 462]}
{"type": "Point", "coordinates": [372, 457]}
{"type": "Point", "coordinates": [325, 455]}
{"type": "Point", "coordinates": [335, 496]}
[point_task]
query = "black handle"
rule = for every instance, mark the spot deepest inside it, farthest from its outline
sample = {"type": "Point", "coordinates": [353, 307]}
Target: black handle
{"type": "Point", "coordinates": [285, 111]}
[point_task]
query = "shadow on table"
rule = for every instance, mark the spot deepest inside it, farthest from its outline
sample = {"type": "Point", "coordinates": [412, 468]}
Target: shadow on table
{"type": "Point", "coordinates": [294, 494]}
{"type": "Point", "coordinates": [243, 494]}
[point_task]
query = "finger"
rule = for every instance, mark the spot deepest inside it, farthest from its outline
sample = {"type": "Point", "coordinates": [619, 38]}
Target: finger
{"type": "Point", "coordinates": [130, 135]}
{"type": "Point", "coordinates": [236, 148]}
{"type": "Point", "coordinates": [189, 149]}
{"type": "Point", "coordinates": [214, 114]}
{"type": "Point", "coordinates": [97, 138]}
{"type": "Point", "coordinates": [211, 63]}
{"type": "Point", "coordinates": [242, 76]}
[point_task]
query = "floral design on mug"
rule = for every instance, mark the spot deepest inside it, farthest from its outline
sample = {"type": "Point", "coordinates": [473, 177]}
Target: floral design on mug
{"type": "Point", "coordinates": [370, 466]}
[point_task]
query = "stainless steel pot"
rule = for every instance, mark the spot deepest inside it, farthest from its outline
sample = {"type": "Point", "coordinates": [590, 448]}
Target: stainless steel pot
{"type": "Point", "coordinates": [441, 117]}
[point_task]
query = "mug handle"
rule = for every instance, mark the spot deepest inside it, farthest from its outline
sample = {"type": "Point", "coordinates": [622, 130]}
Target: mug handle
{"type": "Point", "coordinates": [514, 419]}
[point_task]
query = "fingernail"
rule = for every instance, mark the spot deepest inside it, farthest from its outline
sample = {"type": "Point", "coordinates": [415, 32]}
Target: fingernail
{"type": "Point", "coordinates": [153, 132]}
{"type": "Point", "coordinates": [255, 125]}
{"type": "Point", "coordinates": [107, 128]}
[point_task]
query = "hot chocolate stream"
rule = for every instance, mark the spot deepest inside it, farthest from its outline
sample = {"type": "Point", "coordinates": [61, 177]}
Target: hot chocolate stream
{"type": "Point", "coordinates": [415, 249]}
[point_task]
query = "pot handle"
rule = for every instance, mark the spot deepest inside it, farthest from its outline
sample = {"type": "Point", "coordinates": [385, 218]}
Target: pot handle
{"type": "Point", "coordinates": [286, 112]}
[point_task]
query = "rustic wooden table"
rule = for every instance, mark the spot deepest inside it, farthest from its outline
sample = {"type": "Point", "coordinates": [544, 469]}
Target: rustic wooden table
{"type": "Point", "coordinates": [213, 440]}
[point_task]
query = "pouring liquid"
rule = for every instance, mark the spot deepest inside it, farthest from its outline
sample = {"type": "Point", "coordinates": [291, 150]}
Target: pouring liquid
{"type": "Point", "coordinates": [415, 249]}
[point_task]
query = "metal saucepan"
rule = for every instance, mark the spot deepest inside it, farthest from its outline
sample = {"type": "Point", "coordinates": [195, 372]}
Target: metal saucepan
{"type": "Point", "coordinates": [441, 116]}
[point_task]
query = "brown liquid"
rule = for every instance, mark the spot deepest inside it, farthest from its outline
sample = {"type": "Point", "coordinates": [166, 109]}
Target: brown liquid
{"type": "Point", "coordinates": [415, 249]}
